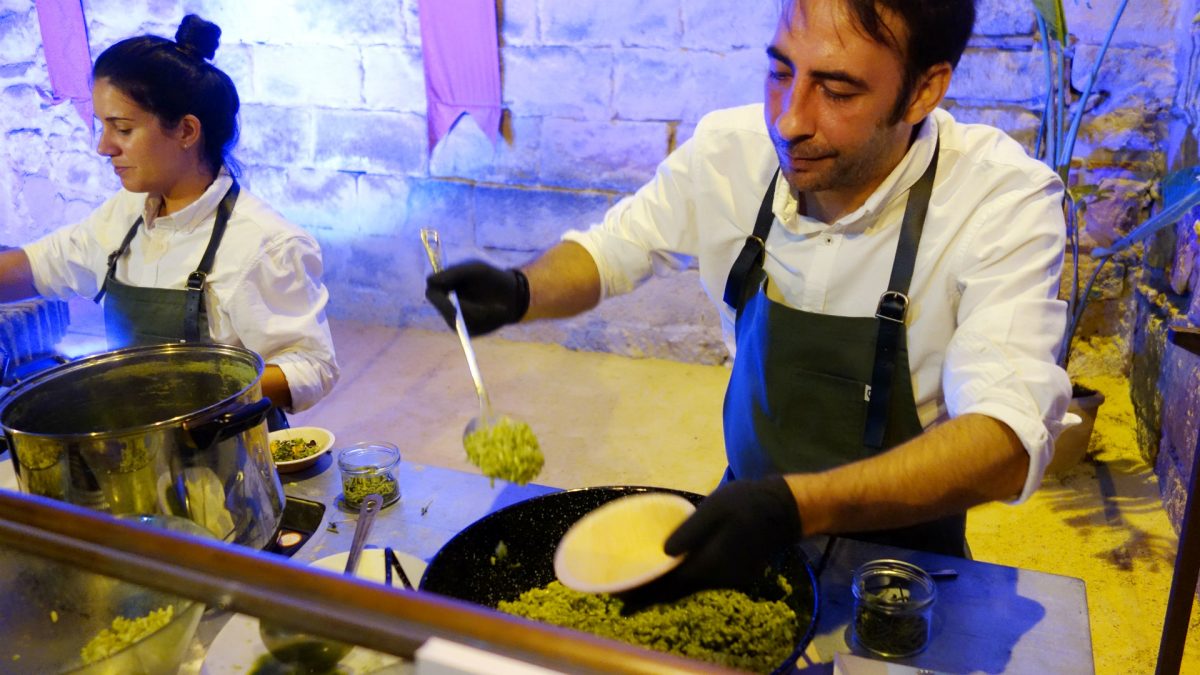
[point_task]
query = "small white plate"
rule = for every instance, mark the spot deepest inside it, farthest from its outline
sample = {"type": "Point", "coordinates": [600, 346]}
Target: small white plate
{"type": "Point", "coordinates": [323, 437]}
{"type": "Point", "coordinates": [237, 649]}
{"type": "Point", "coordinates": [371, 566]}
{"type": "Point", "coordinates": [618, 546]}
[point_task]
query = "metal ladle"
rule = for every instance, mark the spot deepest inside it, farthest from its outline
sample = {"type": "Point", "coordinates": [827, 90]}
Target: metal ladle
{"type": "Point", "coordinates": [309, 653]}
{"type": "Point", "coordinates": [486, 417]}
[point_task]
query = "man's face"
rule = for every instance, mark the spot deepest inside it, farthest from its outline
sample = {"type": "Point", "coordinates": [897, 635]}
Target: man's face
{"type": "Point", "coordinates": [830, 91]}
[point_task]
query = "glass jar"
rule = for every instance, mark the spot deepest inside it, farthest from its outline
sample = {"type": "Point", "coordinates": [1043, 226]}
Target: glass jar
{"type": "Point", "coordinates": [369, 468]}
{"type": "Point", "coordinates": [893, 607]}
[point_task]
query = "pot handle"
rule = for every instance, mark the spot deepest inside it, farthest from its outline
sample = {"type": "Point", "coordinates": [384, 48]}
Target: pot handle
{"type": "Point", "coordinates": [204, 435]}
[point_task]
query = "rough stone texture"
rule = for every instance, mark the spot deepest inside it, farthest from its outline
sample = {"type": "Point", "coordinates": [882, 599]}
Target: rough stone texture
{"type": "Point", "coordinates": [1003, 17]}
{"type": "Point", "coordinates": [375, 142]}
{"type": "Point", "coordinates": [1146, 378]}
{"type": "Point", "coordinates": [531, 220]}
{"type": "Point", "coordinates": [558, 81]}
{"type": "Point", "coordinates": [275, 135]}
{"type": "Point", "coordinates": [618, 155]}
{"type": "Point", "coordinates": [997, 75]}
{"type": "Point", "coordinates": [709, 25]}
{"type": "Point", "coordinates": [308, 75]}
{"type": "Point", "coordinates": [1171, 270]}
{"type": "Point", "coordinates": [394, 78]}
{"type": "Point", "coordinates": [466, 152]}
{"type": "Point", "coordinates": [630, 23]}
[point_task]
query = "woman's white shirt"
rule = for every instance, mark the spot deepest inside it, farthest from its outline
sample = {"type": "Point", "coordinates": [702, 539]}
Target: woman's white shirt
{"type": "Point", "coordinates": [264, 292]}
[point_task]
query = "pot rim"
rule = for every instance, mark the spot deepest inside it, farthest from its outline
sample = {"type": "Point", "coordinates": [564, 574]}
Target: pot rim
{"type": "Point", "coordinates": [49, 374]}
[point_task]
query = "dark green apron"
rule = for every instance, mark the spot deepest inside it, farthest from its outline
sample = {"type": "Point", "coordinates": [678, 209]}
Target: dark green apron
{"type": "Point", "coordinates": [811, 391]}
{"type": "Point", "coordinates": [138, 315]}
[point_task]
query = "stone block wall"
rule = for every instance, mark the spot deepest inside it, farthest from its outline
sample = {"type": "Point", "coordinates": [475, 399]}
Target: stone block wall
{"type": "Point", "coordinates": [1166, 378]}
{"type": "Point", "coordinates": [595, 95]}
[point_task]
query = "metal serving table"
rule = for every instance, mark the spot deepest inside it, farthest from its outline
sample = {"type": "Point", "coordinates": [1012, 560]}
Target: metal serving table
{"type": "Point", "coordinates": [990, 619]}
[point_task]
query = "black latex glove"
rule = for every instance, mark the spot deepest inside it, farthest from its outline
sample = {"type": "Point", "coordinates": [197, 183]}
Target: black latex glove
{"type": "Point", "coordinates": [729, 541]}
{"type": "Point", "coordinates": [490, 297]}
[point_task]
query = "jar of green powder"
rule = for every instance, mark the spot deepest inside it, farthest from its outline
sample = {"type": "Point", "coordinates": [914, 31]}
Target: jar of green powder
{"type": "Point", "coordinates": [369, 468]}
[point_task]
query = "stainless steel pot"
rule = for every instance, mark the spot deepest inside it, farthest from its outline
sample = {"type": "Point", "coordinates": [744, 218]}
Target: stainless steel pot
{"type": "Point", "coordinates": [172, 429]}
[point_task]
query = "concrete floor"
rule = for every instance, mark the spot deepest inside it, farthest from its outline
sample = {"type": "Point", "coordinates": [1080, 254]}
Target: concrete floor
{"type": "Point", "coordinates": [610, 420]}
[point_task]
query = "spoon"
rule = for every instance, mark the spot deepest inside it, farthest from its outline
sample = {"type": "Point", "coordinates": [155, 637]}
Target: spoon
{"type": "Point", "coordinates": [486, 417]}
{"type": "Point", "coordinates": [309, 653]}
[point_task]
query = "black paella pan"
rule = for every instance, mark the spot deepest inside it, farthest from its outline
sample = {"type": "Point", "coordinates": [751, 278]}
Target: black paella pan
{"type": "Point", "coordinates": [510, 551]}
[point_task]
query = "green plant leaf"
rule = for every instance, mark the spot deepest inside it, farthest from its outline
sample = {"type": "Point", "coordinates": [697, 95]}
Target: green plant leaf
{"type": "Point", "coordinates": [1056, 20]}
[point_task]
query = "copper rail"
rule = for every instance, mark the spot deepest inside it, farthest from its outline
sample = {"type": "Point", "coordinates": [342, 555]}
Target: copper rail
{"type": "Point", "coordinates": [315, 601]}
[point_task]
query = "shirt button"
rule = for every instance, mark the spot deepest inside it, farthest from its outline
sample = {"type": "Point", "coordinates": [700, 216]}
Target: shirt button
{"type": "Point", "coordinates": [828, 240]}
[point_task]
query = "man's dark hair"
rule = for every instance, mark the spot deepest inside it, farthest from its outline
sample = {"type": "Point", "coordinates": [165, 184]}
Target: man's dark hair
{"type": "Point", "coordinates": [171, 79]}
{"type": "Point", "coordinates": [938, 31]}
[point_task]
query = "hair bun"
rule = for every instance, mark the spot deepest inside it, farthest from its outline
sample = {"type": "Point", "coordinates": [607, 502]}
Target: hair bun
{"type": "Point", "coordinates": [198, 36]}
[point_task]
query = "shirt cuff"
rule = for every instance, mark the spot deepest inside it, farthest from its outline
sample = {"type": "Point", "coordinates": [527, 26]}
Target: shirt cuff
{"type": "Point", "coordinates": [308, 381]}
{"type": "Point", "coordinates": [983, 382]}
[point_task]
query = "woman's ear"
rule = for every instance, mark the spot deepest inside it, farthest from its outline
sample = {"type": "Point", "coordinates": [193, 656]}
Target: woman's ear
{"type": "Point", "coordinates": [188, 131]}
{"type": "Point", "coordinates": [929, 92]}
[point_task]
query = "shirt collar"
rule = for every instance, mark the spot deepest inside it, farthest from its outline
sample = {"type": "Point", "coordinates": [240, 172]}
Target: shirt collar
{"type": "Point", "coordinates": [896, 185]}
{"type": "Point", "coordinates": [191, 215]}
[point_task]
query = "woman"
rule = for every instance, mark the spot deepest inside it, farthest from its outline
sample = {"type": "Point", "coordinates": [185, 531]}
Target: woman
{"type": "Point", "coordinates": [181, 253]}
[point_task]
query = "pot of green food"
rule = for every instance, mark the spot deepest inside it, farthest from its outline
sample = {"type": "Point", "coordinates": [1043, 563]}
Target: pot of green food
{"type": "Point", "coordinates": [505, 561]}
{"type": "Point", "coordinates": [173, 429]}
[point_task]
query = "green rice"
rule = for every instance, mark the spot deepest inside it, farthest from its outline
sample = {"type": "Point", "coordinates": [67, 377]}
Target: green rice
{"type": "Point", "coordinates": [125, 632]}
{"type": "Point", "coordinates": [507, 450]}
{"type": "Point", "coordinates": [724, 627]}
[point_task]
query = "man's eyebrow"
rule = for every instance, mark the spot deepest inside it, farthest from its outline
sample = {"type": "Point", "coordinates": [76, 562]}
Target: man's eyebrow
{"type": "Point", "coordinates": [778, 55]}
{"type": "Point", "coordinates": [835, 75]}
{"type": "Point", "coordinates": [839, 76]}
{"type": "Point", "coordinates": [115, 118]}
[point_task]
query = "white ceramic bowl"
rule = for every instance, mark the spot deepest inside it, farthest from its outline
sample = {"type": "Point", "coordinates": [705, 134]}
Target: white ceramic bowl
{"type": "Point", "coordinates": [323, 437]}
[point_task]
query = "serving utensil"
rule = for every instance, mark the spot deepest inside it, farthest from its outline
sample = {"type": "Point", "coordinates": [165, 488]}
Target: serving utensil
{"type": "Point", "coordinates": [312, 654]}
{"type": "Point", "coordinates": [487, 416]}
{"type": "Point", "coordinates": [619, 546]}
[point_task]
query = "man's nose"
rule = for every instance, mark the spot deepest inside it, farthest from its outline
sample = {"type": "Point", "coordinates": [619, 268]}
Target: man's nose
{"type": "Point", "coordinates": [796, 120]}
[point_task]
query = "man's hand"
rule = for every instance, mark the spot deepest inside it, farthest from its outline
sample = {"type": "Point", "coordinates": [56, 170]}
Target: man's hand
{"type": "Point", "coordinates": [490, 297]}
{"type": "Point", "coordinates": [729, 540]}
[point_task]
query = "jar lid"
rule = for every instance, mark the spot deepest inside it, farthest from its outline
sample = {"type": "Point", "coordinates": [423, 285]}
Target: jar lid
{"type": "Point", "coordinates": [893, 584]}
{"type": "Point", "coordinates": [368, 456]}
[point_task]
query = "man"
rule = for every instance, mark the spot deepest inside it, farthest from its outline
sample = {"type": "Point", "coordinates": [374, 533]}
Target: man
{"type": "Point", "coordinates": [895, 340]}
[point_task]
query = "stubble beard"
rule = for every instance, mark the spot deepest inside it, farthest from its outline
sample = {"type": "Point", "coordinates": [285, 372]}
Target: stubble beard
{"type": "Point", "coordinates": [845, 170]}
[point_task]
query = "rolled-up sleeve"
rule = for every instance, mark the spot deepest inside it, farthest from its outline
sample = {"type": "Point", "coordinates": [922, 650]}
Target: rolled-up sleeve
{"type": "Point", "coordinates": [1001, 360]}
{"type": "Point", "coordinates": [651, 231]}
{"type": "Point", "coordinates": [278, 310]}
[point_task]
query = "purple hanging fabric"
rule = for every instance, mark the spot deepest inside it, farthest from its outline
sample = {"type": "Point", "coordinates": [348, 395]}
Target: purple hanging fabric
{"type": "Point", "coordinates": [462, 64]}
{"type": "Point", "coordinates": [65, 43]}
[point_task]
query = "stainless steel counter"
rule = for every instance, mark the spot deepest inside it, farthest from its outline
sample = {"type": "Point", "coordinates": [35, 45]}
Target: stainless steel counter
{"type": "Point", "coordinates": [990, 619]}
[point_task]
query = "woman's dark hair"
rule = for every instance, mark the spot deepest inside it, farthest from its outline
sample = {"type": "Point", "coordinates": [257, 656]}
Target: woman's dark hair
{"type": "Point", "coordinates": [173, 79]}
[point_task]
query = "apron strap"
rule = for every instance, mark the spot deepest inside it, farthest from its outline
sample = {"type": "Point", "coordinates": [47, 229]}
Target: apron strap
{"type": "Point", "coordinates": [750, 261]}
{"type": "Point", "coordinates": [195, 281]}
{"type": "Point", "coordinates": [893, 305]}
{"type": "Point", "coordinates": [115, 256]}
